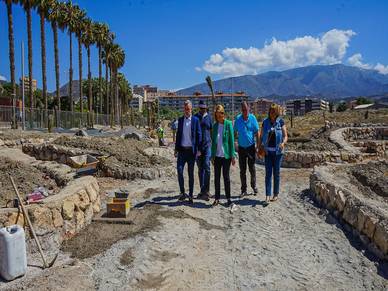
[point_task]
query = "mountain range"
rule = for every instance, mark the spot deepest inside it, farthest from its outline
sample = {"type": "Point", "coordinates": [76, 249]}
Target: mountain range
{"type": "Point", "coordinates": [327, 81]}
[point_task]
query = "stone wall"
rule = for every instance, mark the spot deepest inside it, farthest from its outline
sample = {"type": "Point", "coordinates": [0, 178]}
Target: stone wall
{"type": "Point", "coordinates": [301, 159]}
{"type": "Point", "coordinates": [60, 216]}
{"type": "Point", "coordinates": [367, 147]}
{"type": "Point", "coordinates": [19, 142]}
{"type": "Point", "coordinates": [367, 222]}
{"type": "Point", "coordinates": [365, 133]}
{"type": "Point", "coordinates": [334, 124]}
{"type": "Point", "coordinates": [62, 154]}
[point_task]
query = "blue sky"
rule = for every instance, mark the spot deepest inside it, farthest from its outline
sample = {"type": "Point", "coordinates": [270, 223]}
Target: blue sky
{"type": "Point", "coordinates": [176, 43]}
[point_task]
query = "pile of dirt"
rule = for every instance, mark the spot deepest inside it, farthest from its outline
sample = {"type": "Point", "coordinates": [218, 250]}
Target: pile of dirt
{"type": "Point", "coordinates": [372, 178]}
{"type": "Point", "coordinates": [15, 134]}
{"type": "Point", "coordinates": [26, 178]}
{"type": "Point", "coordinates": [127, 152]}
{"type": "Point", "coordinates": [319, 144]}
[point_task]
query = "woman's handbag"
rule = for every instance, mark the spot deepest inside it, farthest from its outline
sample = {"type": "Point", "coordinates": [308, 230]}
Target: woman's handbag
{"type": "Point", "coordinates": [261, 152]}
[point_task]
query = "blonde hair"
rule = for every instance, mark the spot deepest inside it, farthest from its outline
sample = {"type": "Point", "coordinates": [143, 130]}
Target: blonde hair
{"type": "Point", "coordinates": [219, 108]}
{"type": "Point", "coordinates": [276, 108]}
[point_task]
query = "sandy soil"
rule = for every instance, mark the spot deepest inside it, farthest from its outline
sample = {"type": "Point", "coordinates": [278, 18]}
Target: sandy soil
{"type": "Point", "coordinates": [26, 178]}
{"type": "Point", "coordinates": [290, 245]}
{"type": "Point", "coordinates": [127, 152]}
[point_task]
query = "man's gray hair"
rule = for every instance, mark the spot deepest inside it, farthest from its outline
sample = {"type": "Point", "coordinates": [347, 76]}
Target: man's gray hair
{"type": "Point", "coordinates": [188, 102]}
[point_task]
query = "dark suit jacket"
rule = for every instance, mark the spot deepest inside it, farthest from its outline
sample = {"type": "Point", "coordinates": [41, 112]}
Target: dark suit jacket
{"type": "Point", "coordinates": [196, 135]}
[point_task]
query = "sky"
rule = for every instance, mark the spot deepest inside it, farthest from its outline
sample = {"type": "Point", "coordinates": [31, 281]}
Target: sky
{"type": "Point", "coordinates": [175, 44]}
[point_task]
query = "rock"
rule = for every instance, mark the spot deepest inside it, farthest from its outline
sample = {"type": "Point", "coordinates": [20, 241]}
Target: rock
{"type": "Point", "coordinates": [97, 205]}
{"type": "Point", "coordinates": [134, 135]}
{"type": "Point", "coordinates": [57, 217]}
{"type": "Point", "coordinates": [79, 220]}
{"type": "Point", "coordinates": [41, 216]}
{"type": "Point", "coordinates": [15, 218]}
{"type": "Point", "coordinates": [84, 200]}
{"type": "Point", "coordinates": [88, 214]}
{"type": "Point", "coordinates": [381, 237]}
{"type": "Point", "coordinates": [344, 156]}
{"type": "Point", "coordinates": [81, 132]}
{"type": "Point", "coordinates": [68, 209]}
{"type": "Point", "coordinates": [370, 226]}
{"type": "Point", "coordinates": [91, 192]}
{"type": "Point", "coordinates": [361, 216]}
{"type": "Point", "coordinates": [350, 213]}
{"type": "Point", "coordinates": [340, 200]}
{"type": "Point", "coordinates": [1, 142]}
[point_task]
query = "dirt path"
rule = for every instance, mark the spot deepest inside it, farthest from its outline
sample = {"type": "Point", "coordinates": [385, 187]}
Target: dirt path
{"type": "Point", "coordinates": [289, 245]}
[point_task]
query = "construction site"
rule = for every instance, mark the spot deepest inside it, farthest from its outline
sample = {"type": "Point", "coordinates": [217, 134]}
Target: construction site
{"type": "Point", "coordinates": [103, 206]}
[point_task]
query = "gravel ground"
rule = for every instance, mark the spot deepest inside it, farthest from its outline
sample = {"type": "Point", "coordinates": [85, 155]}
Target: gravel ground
{"type": "Point", "coordinates": [290, 245]}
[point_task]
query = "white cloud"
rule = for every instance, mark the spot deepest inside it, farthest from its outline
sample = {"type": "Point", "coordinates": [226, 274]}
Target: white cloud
{"type": "Point", "coordinates": [381, 69]}
{"type": "Point", "coordinates": [2, 78]}
{"type": "Point", "coordinates": [330, 48]}
{"type": "Point", "coordinates": [356, 60]}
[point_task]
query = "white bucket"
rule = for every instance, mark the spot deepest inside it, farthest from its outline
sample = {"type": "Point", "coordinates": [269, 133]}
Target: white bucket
{"type": "Point", "coordinates": [13, 257]}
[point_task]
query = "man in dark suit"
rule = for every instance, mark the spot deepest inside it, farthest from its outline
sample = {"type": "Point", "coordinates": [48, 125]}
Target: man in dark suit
{"type": "Point", "coordinates": [203, 161]}
{"type": "Point", "coordinates": [187, 147]}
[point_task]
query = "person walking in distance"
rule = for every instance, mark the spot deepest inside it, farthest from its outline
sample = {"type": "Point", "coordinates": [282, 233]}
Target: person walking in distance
{"type": "Point", "coordinates": [223, 153]}
{"type": "Point", "coordinates": [174, 126]}
{"type": "Point", "coordinates": [273, 137]}
{"type": "Point", "coordinates": [203, 161]}
{"type": "Point", "coordinates": [187, 148]}
{"type": "Point", "coordinates": [246, 131]}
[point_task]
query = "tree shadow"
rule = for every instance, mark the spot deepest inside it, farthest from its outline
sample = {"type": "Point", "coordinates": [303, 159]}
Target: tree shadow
{"type": "Point", "coordinates": [250, 202]}
{"type": "Point", "coordinates": [172, 201]}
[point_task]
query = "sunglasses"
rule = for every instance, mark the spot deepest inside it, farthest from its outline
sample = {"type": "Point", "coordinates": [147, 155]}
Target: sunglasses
{"type": "Point", "coordinates": [220, 112]}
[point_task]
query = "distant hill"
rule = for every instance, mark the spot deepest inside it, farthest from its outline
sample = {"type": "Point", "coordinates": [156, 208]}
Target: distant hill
{"type": "Point", "coordinates": [64, 90]}
{"type": "Point", "coordinates": [331, 82]}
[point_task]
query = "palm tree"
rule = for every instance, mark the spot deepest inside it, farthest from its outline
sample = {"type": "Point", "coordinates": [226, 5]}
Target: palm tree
{"type": "Point", "coordinates": [43, 7]}
{"type": "Point", "coordinates": [101, 37]}
{"type": "Point", "coordinates": [79, 15]}
{"type": "Point", "coordinates": [11, 57]}
{"type": "Point", "coordinates": [55, 17]}
{"type": "Point", "coordinates": [106, 58]}
{"type": "Point", "coordinates": [125, 94]}
{"type": "Point", "coordinates": [70, 19]}
{"type": "Point", "coordinates": [211, 87]}
{"type": "Point", "coordinates": [27, 5]}
{"type": "Point", "coordinates": [117, 61]}
{"type": "Point", "coordinates": [88, 40]}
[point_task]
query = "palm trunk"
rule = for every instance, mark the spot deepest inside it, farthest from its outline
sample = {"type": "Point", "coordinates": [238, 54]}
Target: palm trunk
{"type": "Point", "coordinates": [56, 59]}
{"type": "Point", "coordinates": [29, 34]}
{"type": "Point", "coordinates": [112, 107]}
{"type": "Point", "coordinates": [117, 113]}
{"type": "Point", "coordinates": [106, 88]}
{"type": "Point", "coordinates": [80, 72]}
{"type": "Point", "coordinates": [90, 97]}
{"type": "Point", "coordinates": [100, 78]}
{"type": "Point", "coordinates": [71, 73]}
{"type": "Point", "coordinates": [43, 50]}
{"type": "Point", "coordinates": [12, 61]}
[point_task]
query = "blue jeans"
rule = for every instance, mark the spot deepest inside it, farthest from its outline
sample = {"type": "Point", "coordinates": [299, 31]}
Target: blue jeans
{"type": "Point", "coordinates": [186, 156]}
{"type": "Point", "coordinates": [272, 167]}
{"type": "Point", "coordinates": [203, 163]}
